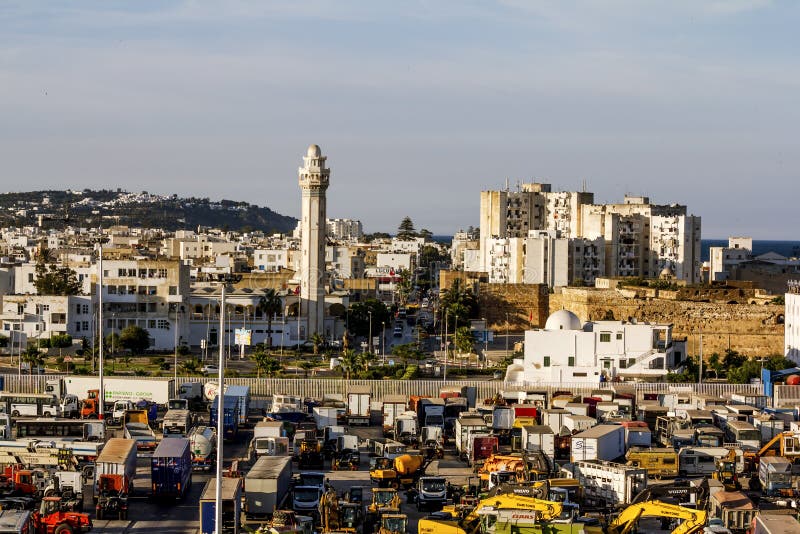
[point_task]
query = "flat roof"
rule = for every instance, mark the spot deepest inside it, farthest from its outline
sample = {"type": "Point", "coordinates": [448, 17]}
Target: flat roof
{"type": "Point", "coordinates": [171, 448]}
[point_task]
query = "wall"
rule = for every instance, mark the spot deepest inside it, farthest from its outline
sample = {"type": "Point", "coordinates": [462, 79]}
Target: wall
{"type": "Point", "coordinates": [751, 329]}
{"type": "Point", "coordinates": [525, 305]}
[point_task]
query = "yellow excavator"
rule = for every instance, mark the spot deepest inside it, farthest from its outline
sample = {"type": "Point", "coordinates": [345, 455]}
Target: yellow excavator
{"type": "Point", "coordinates": [726, 471]}
{"type": "Point", "coordinates": [339, 518]}
{"type": "Point", "coordinates": [693, 520]}
{"type": "Point", "coordinates": [471, 523]}
{"type": "Point", "coordinates": [385, 504]}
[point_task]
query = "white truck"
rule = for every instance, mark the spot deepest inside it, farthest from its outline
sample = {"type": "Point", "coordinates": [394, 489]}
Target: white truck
{"type": "Point", "coordinates": [607, 484]}
{"type": "Point", "coordinates": [602, 442]}
{"type": "Point", "coordinates": [325, 416]}
{"type": "Point", "coordinates": [264, 434]}
{"type": "Point", "coordinates": [358, 405]}
{"type": "Point", "coordinates": [392, 406]}
{"type": "Point", "coordinates": [176, 423]}
{"type": "Point", "coordinates": [465, 426]}
{"type": "Point", "coordinates": [406, 427]}
{"type": "Point", "coordinates": [158, 391]}
{"type": "Point", "coordinates": [267, 483]}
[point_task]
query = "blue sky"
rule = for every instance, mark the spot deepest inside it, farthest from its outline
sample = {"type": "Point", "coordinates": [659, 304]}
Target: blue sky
{"type": "Point", "coordinates": [418, 104]}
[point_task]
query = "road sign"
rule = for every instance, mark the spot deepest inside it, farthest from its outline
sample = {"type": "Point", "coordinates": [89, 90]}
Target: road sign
{"type": "Point", "coordinates": [242, 337]}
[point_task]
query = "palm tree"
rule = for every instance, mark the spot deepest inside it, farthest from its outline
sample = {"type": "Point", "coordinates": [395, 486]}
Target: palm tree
{"type": "Point", "coordinates": [306, 366]}
{"type": "Point", "coordinates": [270, 304]}
{"type": "Point", "coordinates": [317, 340]}
{"type": "Point", "coordinates": [349, 362]}
{"type": "Point", "coordinates": [266, 364]}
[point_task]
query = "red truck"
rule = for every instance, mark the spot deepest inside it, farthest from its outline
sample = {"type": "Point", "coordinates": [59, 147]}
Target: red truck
{"type": "Point", "coordinates": [481, 447]}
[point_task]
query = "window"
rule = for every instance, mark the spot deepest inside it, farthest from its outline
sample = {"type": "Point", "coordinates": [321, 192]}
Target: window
{"type": "Point", "coordinates": [20, 309]}
{"type": "Point", "coordinates": [162, 273]}
{"type": "Point", "coordinates": [151, 323]}
{"type": "Point", "coordinates": [78, 308]}
{"type": "Point", "coordinates": [112, 290]}
{"type": "Point", "coordinates": [85, 326]}
{"type": "Point", "coordinates": [606, 364]}
{"type": "Point", "coordinates": [163, 324]}
{"type": "Point", "coordinates": [547, 361]}
{"type": "Point", "coordinates": [30, 278]}
{"type": "Point", "coordinates": [605, 337]}
{"type": "Point", "coordinates": [619, 335]}
{"type": "Point", "coordinates": [571, 361]}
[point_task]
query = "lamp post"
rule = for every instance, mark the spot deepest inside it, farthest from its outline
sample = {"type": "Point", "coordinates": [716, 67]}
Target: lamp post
{"type": "Point", "coordinates": [102, 395]}
{"type": "Point", "coordinates": [369, 339]}
{"type": "Point", "coordinates": [383, 341]}
{"type": "Point", "coordinates": [220, 418]}
{"type": "Point", "coordinates": [177, 326]}
{"type": "Point", "coordinates": [506, 334]}
{"type": "Point", "coordinates": [485, 341]}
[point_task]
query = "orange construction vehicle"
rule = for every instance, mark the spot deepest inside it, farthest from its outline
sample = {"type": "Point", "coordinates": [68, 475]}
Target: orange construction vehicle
{"type": "Point", "coordinates": [112, 496]}
{"type": "Point", "coordinates": [90, 407]}
{"type": "Point", "coordinates": [17, 480]}
{"type": "Point", "coordinates": [52, 519]}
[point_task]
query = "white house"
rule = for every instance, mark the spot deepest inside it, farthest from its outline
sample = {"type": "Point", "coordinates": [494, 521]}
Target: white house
{"type": "Point", "coordinates": [791, 323]}
{"type": "Point", "coordinates": [565, 351]}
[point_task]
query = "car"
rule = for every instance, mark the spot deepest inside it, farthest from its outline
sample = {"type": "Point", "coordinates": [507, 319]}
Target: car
{"type": "Point", "coordinates": [398, 332]}
{"type": "Point", "coordinates": [209, 369]}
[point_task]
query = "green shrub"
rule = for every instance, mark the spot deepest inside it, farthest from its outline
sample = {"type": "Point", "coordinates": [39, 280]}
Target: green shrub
{"type": "Point", "coordinates": [60, 341]}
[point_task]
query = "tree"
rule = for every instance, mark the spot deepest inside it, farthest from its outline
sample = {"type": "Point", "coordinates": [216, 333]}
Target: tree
{"type": "Point", "coordinates": [459, 303]}
{"type": "Point", "coordinates": [425, 234]}
{"type": "Point", "coordinates": [32, 357]}
{"type": "Point", "coordinates": [306, 366]}
{"type": "Point", "coordinates": [317, 340]}
{"type": "Point", "coordinates": [135, 339]}
{"type": "Point", "coordinates": [358, 317]}
{"type": "Point", "coordinates": [266, 364]}
{"type": "Point", "coordinates": [404, 286]}
{"type": "Point", "coordinates": [349, 362]}
{"type": "Point", "coordinates": [464, 340]}
{"type": "Point", "coordinates": [406, 229]}
{"type": "Point", "coordinates": [270, 304]}
{"type": "Point", "coordinates": [54, 280]}
{"type": "Point", "coordinates": [191, 365]}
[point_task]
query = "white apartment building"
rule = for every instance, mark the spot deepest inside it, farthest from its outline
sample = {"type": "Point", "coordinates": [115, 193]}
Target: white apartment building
{"type": "Point", "coordinates": [39, 317]}
{"type": "Point", "coordinates": [344, 262]}
{"type": "Point", "coordinates": [344, 229]}
{"type": "Point", "coordinates": [721, 259]}
{"type": "Point", "coordinates": [791, 322]}
{"type": "Point", "coordinates": [147, 293]}
{"type": "Point", "coordinates": [270, 260]}
{"type": "Point", "coordinates": [395, 261]}
{"type": "Point", "coordinates": [565, 351]}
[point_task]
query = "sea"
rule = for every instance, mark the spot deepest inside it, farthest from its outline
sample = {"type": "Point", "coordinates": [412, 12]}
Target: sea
{"type": "Point", "coordinates": [789, 249]}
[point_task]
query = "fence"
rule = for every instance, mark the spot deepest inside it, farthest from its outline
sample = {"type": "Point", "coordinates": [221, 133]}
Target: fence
{"type": "Point", "coordinates": [316, 388]}
{"type": "Point", "coordinates": [786, 396]}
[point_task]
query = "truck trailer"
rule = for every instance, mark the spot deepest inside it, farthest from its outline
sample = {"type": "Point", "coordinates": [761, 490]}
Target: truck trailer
{"type": "Point", "coordinates": [171, 468]}
{"type": "Point", "coordinates": [608, 484]}
{"type": "Point", "coordinates": [358, 405]}
{"type": "Point", "coordinates": [267, 483]}
{"type": "Point", "coordinates": [603, 442]}
{"type": "Point", "coordinates": [231, 506]}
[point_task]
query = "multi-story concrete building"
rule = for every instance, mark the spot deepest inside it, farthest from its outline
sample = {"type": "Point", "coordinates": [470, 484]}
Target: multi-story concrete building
{"type": "Point", "coordinates": [345, 229]}
{"type": "Point", "coordinates": [722, 259]}
{"type": "Point", "coordinates": [270, 260]}
{"type": "Point", "coordinates": [791, 322]}
{"type": "Point", "coordinates": [41, 316]}
{"type": "Point", "coordinates": [566, 351]}
{"type": "Point", "coordinates": [146, 293]}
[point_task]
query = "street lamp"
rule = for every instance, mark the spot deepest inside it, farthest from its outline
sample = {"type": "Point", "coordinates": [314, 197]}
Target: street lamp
{"type": "Point", "coordinates": [383, 341]}
{"type": "Point", "coordinates": [369, 339]}
{"type": "Point", "coordinates": [485, 341]}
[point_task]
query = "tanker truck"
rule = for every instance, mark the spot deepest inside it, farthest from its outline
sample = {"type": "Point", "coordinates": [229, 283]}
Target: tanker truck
{"type": "Point", "coordinates": [403, 471]}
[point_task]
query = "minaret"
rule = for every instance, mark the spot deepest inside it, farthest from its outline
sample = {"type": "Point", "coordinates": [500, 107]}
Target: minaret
{"type": "Point", "coordinates": [313, 183]}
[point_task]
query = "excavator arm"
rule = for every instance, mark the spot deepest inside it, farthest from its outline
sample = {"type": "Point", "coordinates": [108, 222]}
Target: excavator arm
{"type": "Point", "coordinates": [547, 509]}
{"type": "Point", "coordinates": [693, 520]}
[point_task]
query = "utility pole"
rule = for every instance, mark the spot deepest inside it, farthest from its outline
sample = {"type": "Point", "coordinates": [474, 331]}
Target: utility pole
{"type": "Point", "coordinates": [506, 334]}
{"type": "Point", "coordinates": [220, 418]}
{"type": "Point", "coordinates": [101, 408]}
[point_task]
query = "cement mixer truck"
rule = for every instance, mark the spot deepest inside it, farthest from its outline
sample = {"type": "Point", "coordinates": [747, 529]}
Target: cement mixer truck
{"type": "Point", "coordinates": [402, 471]}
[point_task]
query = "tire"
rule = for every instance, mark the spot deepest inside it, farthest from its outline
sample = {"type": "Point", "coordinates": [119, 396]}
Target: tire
{"type": "Point", "coordinates": [63, 528]}
{"type": "Point", "coordinates": [47, 414]}
{"type": "Point", "coordinates": [99, 513]}
{"type": "Point", "coordinates": [15, 413]}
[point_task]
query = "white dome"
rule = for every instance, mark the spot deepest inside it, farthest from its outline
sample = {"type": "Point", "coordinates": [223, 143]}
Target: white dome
{"type": "Point", "coordinates": [314, 151]}
{"type": "Point", "coordinates": [563, 320]}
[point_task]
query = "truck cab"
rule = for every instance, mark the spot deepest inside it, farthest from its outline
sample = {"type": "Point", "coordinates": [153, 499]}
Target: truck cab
{"type": "Point", "coordinates": [305, 500]}
{"type": "Point", "coordinates": [431, 493]}
{"type": "Point", "coordinates": [119, 409]}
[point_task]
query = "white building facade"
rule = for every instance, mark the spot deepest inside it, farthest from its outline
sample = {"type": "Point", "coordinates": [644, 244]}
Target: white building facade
{"type": "Point", "coordinates": [791, 322]}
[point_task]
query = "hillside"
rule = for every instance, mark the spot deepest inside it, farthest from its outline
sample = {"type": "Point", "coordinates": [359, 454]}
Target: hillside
{"type": "Point", "coordinates": [90, 208]}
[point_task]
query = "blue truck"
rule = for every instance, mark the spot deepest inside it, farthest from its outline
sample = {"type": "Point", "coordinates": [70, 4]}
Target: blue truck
{"type": "Point", "coordinates": [243, 394]}
{"type": "Point", "coordinates": [231, 506]}
{"type": "Point", "coordinates": [230, 417]}
{"type": "Point", "coordinates": [171, 468]}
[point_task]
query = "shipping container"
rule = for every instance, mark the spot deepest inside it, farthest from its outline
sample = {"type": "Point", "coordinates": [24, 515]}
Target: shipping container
{"type": "Point", "coordinates": [578, 423]}
{"type": "Point", "coordinates": [734, 509]}
{"type": "Point", "coordinates": [539, 438]}
{"type": "Point", "coordinates": [554, 418]}
{"type": "Point", "coordinates": [171, 468]}
{"type": "Point", "coordinates": [771, 523]}
{"type": "Point", "coordinates": [267, 485]}
{"type": "Point", "coordinates": [118, 457]}
{"type": "Point", "coordinates": [577, 408]}
{"type": "Point", "coordinates": [231, 506]}
{"type": "Point", "coordinates": [637, 434]}
{"type": "Point", "coordinates": [603, 442]}
{"type": "Point", "coordinates": [242, 393]}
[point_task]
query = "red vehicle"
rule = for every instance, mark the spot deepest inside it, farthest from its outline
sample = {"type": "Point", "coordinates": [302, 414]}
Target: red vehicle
{"type": "Point", "coordinates": [50, 519]}
{"type": "Point", "coordinates": [526, 410]}
{"type": "Point", "coordinates": [482, 448]}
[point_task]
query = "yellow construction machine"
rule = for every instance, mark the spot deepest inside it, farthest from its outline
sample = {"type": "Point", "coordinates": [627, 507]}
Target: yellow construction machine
{"type": "Point", "coordinates": [693, 520]}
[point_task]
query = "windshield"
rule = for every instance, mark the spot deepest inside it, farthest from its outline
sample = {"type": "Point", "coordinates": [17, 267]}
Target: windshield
{"type": "Point", "coordinates": [395, 524]}
{"type": "Point", "coordinates": [349, 516]}
{"type": "Point", "coordinates": [312, 480]}
{"type": "Point", "coordinates": [177, 404]}
{"type": "Point", "coordinates": [750, 435]}
{"type": "Point", "coordinates": [384, 497]}
{"type": "Point", "coordinates": [433, 485]}
{"type": "Point", "coordinates": [306, 494]}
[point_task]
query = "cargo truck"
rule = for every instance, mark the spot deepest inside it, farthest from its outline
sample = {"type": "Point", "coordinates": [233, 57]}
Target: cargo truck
{"type": "Point", "coordinates": [502, 421]}
{"type": "Point", "coordinates": [358, 405]}
{"type": "Point", "coordinates": [171, 469]}
{"type": "Point", "coordinates": [606, 484]}
{"type": "Point", "coordinates": [115, 470]}
{"type": "Point", "coordinates": [480, 446]}
{"type": "Point", "coordinates": [393, 405]}
{"type": "Point", "coordinates": [203, 445]}
{"type": "Point", "coordinates": [406, 427]}
{"type": "Point", "coordinates": [230, 416]}
{"type": "Point", "coordinates": [176, 422]}
{"type": "Point", "coordinates": [603, 442]}
{"type": "Point", "coordinates": [775, 475]}
{"type": "Point", "coordinates": [430, 412]}
{"type": "Point", "coordinates": [138, 429]}
{"type": "Point", "coordinates": [325, 416]}
{"type": "Point", "coordinates": [264, 434]}
{"type": "Point", "coordinates": [132, 389]}
{"type": "Point", "coordinates": [469, 423]}
{"type": "Point", "coordinates": [231, 506]}
{"type": "Point", "coordinates": [268, 483]}
{"type": "Point", "coordinates": [242, 394]}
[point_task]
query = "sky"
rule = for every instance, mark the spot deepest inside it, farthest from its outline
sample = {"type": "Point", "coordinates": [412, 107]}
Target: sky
{"type": "Point", "coordinates": [419, 105]}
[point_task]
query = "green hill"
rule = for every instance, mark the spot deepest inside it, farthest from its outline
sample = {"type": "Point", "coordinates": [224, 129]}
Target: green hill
{"type": "Point", "coordinates": [105, 208]}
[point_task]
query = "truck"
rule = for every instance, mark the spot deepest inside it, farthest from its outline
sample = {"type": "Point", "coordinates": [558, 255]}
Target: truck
{"type": "Point", "coordinates": [203, 445]}
{"type": "Point", "coordinates": [158, 391]}
{"type": "Point", "coordinates": [637, 434]}
{"type": "Point", "coordinates": [430, 412]}
{"type": "Point", "coordinates": [468, 423]}
{"type": "Point", "coordinates": [607, 484]}
{"type": "Point", "coordinates": [325, 416]}
{"type": "Point", "coordinates": [603, 442]}
{"type": "Point", "coordinates": [539, 438]}
{"type": "Point", "coordinates": [193, 393]}
{"type": "Point", "coordinates": [231, 506]}
{"type": "Point", "coordinates": [767, 523]}
{"type": "Point", "coordinates": [115, 470]}
{"type": "Point", "coordinates": [453, 407]}
{"type": "Point", "coordinates": [480, 446]}
{"type": "Point", "coordinates": [775, 475]}
{"type": "Point", "coordinates": [268, 483]}
{"type": "Point", "coordinates": [735, 510]}
{"type": "Point", "coordinates": [431, 493]}
{"type": "Point", "coordinates": [405, 427]}
{"type": "Point", "coordinates": [358, 405]}
{"type": "Point", "coordinates": [403, 471]}
{"type": "Point", "coordinates": [502, 421]}
{"type": "Point", "coordinates": [118, 410]}
{"type": "Point", "coordinates": [138, 430]}
{"type": "Point", "coordinates": [242, 394]}
{"type": "Point", "coordinates": [230, 416]}
{"type": "Point", "coordinates": [431, 441]}
{"type": "Point", "coordinates": [658, 461]}
{"type": "Point", "coordinates": [171, 468]}
{"type": "Point", "coordinates": [392, 406]}
{"type": "Point", "coordinates": [177, 421]}
{"type": "Point", "coordinates": [264, 434]}
{"type": "Point", "coordinates": [702, 461]}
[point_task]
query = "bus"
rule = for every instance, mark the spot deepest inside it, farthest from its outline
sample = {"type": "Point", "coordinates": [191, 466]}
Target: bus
{"type": "Point", "coordinates": [28, 404]}
{"type": "Point", "coordinates": [744, 434]}
{"type": "Point", "coordinates": [60, 429]}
